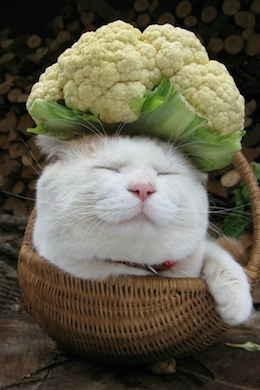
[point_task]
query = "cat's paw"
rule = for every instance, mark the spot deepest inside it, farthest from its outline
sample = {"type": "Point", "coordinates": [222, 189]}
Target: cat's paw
{"type": "Point", "coordinates": [229, 287]}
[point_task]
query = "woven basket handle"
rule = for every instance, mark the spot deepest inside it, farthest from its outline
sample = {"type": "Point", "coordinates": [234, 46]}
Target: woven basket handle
{"type": "Point", "coordinates": [244, 169]}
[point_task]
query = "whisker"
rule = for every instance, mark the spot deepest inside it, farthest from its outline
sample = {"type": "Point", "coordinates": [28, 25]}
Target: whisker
{"type": "Point", "coordinates": [17, 195]}
{"type": "Point", "coordinates": [120, 127]}
{"type": "Point", "coordinates": [229, 210]}
{"type": "Point", "coordinates": [33, 157]}
{"type": "Point", "coordinates": [215, 229]}
{"type": "Point", "coordinates": [103, 128]}
{"type": "Point", "coordinates": [88, 125]}
{"type": "Point", "coordinates": [93, 128]}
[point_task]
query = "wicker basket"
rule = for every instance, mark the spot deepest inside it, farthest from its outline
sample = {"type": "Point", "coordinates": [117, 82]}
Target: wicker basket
{"type": "Point", "coordinates": [128, 319]}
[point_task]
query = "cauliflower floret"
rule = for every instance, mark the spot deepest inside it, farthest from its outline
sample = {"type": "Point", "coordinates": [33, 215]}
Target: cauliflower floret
{"type": "Point", "coordinates": [105, 69]}
{"type": "Point", "coordinates": [213, 93]}
{"type": "Point", "coordinates": [47, 87]}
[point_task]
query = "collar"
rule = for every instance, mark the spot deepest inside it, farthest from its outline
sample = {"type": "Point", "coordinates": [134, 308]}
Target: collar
{"type": "Point", "coordinates": [155, 269]}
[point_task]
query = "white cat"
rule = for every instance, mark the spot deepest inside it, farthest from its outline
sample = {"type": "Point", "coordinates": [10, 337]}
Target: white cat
{"type": "Point", "coordinates": [115, 205]}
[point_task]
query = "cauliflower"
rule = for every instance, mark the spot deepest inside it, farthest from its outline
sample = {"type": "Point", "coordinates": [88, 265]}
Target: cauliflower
{"type": "Point", "coordinates": [109, 74]}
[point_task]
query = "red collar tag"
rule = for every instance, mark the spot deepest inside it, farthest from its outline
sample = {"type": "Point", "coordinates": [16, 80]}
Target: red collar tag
{"type": "Point", "coordinates": [165, 266]}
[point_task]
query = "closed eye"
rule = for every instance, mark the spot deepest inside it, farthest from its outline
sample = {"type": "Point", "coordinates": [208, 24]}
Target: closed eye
{"type": "Point", "coordinates": [113, 169]}
{"type": "Point", "coordinates": [166, 173]}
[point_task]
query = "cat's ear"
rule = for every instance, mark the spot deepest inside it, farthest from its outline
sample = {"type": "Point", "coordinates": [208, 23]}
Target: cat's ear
{"type": "Point", "coordinates": [52, 146]}
{"type": "Point", "coordinates": [202, 176]}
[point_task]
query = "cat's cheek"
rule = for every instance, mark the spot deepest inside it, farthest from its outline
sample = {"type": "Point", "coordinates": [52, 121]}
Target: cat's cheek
{"type": "Point", "coordinates": [117, 209]}
{"type": "Point", "coordinates": [161, 212]}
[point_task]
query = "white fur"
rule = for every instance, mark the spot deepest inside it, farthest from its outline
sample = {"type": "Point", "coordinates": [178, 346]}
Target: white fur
{"type": "Point", "coordinates": [86, 215]}
{"type": "Point", "coordinates": [228, 284]}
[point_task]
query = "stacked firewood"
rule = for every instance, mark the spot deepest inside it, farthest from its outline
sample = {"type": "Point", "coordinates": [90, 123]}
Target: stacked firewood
{"type": "Point", "coordinates": [229, 29]}
{"type": "Point", "coordinates": [22, 60]}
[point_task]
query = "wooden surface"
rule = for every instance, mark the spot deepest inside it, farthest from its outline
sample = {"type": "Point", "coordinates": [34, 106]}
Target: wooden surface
{"type": "Point", "coordinates": [29, 358]}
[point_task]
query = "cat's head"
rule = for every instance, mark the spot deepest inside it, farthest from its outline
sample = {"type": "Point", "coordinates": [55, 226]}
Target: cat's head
{"type": "Point", "coordinates": [123, 198]}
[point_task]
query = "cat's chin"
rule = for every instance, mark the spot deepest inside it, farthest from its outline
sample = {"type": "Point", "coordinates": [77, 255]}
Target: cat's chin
{"type": "Point", "coordinates": [137, 215]}
{"type": "Point", "coordinates": [139, 220]}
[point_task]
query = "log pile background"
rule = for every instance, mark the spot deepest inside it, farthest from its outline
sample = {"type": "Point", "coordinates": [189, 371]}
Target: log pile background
{"type": "Point", "coordinates": [229, 29]}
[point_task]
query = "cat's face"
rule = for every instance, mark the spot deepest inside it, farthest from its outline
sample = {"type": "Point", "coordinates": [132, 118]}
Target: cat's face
{"type": "Point", "coordinates": [123, 198]}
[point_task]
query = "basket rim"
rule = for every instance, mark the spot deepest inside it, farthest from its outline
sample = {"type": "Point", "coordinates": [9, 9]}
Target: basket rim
{"type": "Point", "coordinates": [246, 173]}
{"type": "Point", "coordinates": [37, 262]}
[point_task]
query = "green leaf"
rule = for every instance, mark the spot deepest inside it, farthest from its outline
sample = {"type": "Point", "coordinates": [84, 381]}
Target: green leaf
{"type": "Point", "coordinates": [61, 112]}
{"type": "Point", "coordinates": [136, 105]}
{"type": "Point", "coordinates": [153, 99]}
{"type": "Point", "coordinates": [256, 168]}
{"type": "Point", "coordinates": [54, 119]}
{"type": "Point", "coordinates": [248, 346]}
{"type": "Point", "coordinates": [165, 113]}
{"type": "Point", "coordinates": [42, 130]}
{"type": "Point", "coordinates": [235, 224]}
{"type": "Point", "coordinates": [238, 220]}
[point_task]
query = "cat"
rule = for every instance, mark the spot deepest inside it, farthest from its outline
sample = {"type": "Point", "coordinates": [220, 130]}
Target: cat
{"type": "Point", "coordinates": [114, 205]}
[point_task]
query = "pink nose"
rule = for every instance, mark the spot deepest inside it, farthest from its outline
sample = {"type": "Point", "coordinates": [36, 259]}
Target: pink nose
{"type": "Point", "coordinates": [142, 190]}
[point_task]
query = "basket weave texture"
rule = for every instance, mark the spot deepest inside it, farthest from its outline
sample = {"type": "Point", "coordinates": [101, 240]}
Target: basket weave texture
{"type": "Point", "coordinates": [128, 319]}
